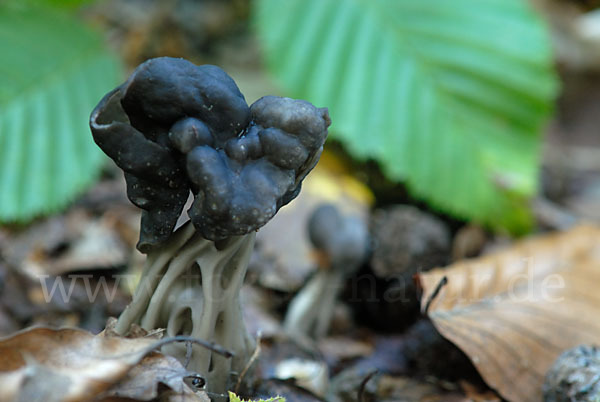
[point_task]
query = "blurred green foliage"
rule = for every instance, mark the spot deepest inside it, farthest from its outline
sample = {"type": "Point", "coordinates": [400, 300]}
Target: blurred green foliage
{"type": "Point", "coordinates": [449, 96]}
{"type": "Point", "coordinates": [55, 4]}
{"type": "Point", "coordinates": [54, 71]}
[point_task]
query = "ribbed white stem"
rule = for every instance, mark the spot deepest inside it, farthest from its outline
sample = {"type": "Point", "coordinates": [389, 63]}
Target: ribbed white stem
{"type": "Point", "coordinates": [191, 287]}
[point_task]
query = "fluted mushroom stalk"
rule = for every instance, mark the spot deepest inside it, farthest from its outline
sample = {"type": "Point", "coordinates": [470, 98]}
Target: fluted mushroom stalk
{"type": "Point", "coordinates": [176, 128]}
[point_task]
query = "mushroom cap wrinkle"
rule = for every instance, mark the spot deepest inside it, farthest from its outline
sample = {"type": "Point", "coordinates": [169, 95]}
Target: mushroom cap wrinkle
{"type": "Point", "coordinates": [175, 128]}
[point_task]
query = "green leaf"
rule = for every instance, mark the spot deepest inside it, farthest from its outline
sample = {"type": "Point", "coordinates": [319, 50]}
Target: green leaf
{"type": "Point", "coordinates": [56, 4]}
{"type": "Point", "coordinates": [449, 96]}
{"type": "Point", "coordinates": [234, 398]}
{"type": "Point", "coordinates": [53, 72]}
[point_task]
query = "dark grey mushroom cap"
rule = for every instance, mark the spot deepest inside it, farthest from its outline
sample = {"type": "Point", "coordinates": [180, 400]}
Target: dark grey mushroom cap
{"type": "Point", "coordinates": [297, 117]}
{"type": "Point", "coordinates": [243, 186]}
{"type": "Point", "coordinates": [156, 182]}
{"type": "Point", "coordinates": [344, 239]}
{"type": "Point", "coordinates": [164, 90]}
{"type": "Point", "coordinates": [175, 127]}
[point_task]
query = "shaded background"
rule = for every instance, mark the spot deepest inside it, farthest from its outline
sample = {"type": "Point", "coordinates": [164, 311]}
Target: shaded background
{"type": "Point", "coordinates": [503, 143]}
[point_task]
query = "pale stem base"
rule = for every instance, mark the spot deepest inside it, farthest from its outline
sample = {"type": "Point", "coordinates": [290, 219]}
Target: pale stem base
{"type": "Point", "coordinates": [191, 286]}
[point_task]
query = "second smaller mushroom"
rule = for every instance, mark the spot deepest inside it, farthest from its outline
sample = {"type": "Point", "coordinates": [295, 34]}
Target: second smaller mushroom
{"type": "Point", "coordinates": [343, 241]}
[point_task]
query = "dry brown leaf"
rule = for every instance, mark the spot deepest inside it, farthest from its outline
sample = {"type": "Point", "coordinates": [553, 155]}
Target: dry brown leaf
{"type": "Point", "coordinates": [405, 389]}
{"type": "Point", "coordinates": [50, 365]}
{"type": "Point", "coordinates": [95, 244]}
{"type": "Point", "coordinates": [74, 241]}
{"type": "Point", "coordinates": [344, 348]}
{"type": "Point", "coordinates": [142, 381]}
{"type": "Point", "coordinates": [134, 331]}
{"type": "Point", "coordinates": [513, 312]}
{"type": "Point", "coordinates": [64, 364]}
{"type": "Point", "coordinates": [347, 385]}
{"type": "Point", "coordinates": [474, 394]}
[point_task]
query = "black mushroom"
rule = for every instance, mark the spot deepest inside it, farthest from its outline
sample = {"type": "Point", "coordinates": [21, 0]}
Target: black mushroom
{"type": "Point", "coordinates": [176, 128]}
{"type": "Point", "coordinates": [343, 241]}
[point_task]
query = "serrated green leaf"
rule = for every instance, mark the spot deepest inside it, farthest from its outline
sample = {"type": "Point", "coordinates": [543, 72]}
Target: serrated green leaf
{"type": "Point", "coordinates": [234, 398]}
{"type": "Point", "coordinates": [449, 96]}
{"type": "Point", "coordinates": [59, 4]}
{"type": "Point", "coordinates": [53, 71]}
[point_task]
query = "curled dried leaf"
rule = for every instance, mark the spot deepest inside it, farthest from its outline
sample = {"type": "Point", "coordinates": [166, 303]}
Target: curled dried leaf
{"type": "Point", "coordinates": [64, 364]}
{"type": "Point", "coordinates": [69, 365]}
{"type": "Point", "coordinates": [513, 312]}
{"type": "Point", "coordinates": [143, 381]}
